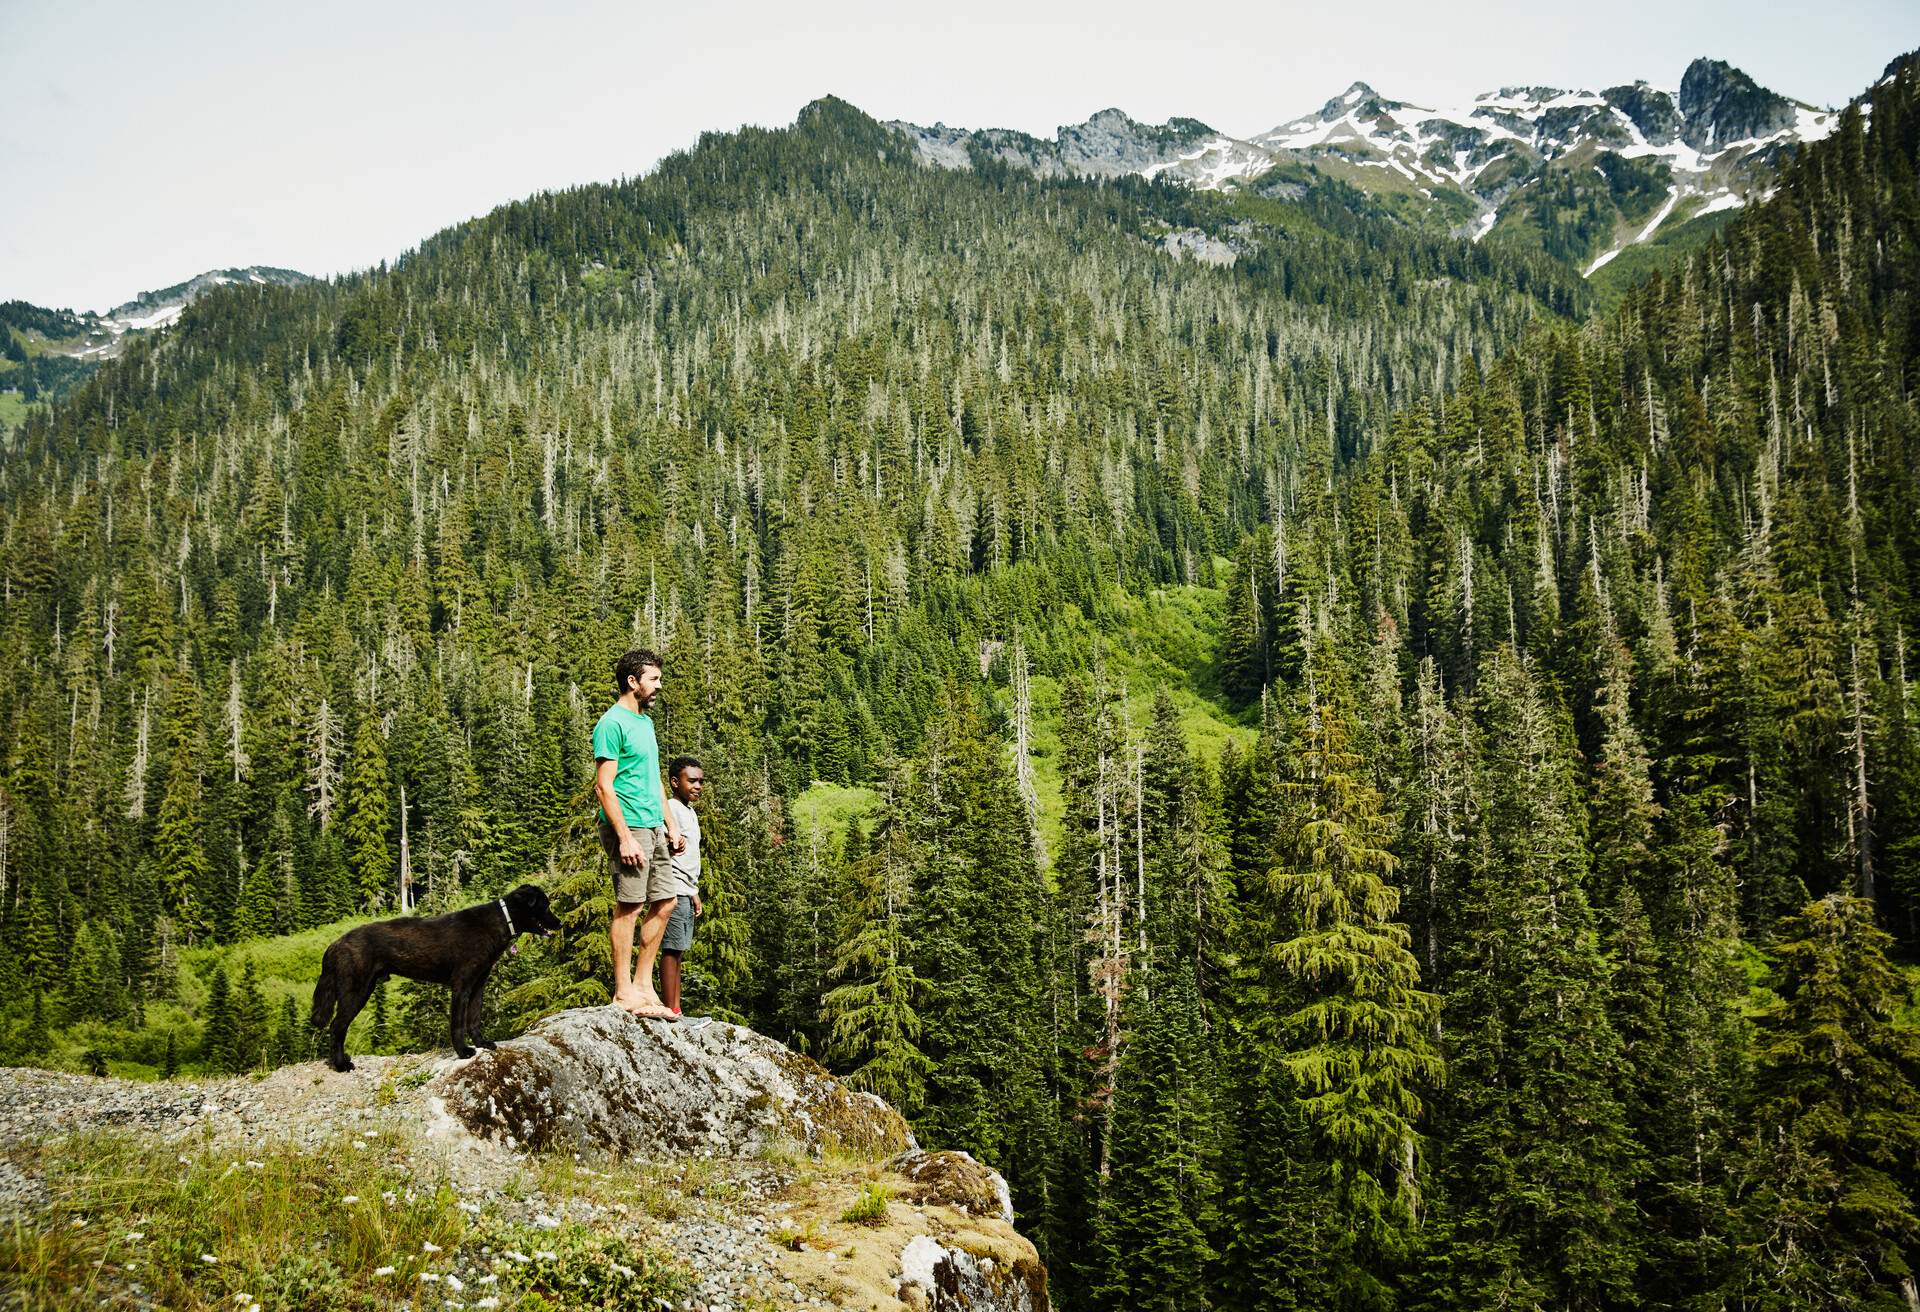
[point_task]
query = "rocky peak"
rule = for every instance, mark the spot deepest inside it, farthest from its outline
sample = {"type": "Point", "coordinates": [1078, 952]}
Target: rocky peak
{"type": "Point", "coordinates": [1719, 104]}
{"type": "Point", "coordinates": [1357, 98]}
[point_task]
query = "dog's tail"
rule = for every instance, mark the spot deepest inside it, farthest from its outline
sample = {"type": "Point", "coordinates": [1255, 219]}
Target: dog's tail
{"type": "Point", "coordinates": [325, 994]}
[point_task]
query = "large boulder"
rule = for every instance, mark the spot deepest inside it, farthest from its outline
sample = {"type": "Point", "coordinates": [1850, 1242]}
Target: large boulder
{"type": "Point", "coordinates": [598, 1078]}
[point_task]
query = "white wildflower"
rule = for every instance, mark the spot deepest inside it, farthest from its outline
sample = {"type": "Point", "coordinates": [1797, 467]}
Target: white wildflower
{"type": "Point", "coordinates": [546, 1255]}
{"type": "Point", "coordinates": [208, 1258]}
{"type": "Point", "coordinates": [135, 1236]}
{"type": "Point", "coordinates": [486, 1302]}
{"type": "Point", "coordinates": [429, 1277]}
{"type": "Point", "coordinates": [383, 1271]}
{"type": "Point", "coordinates": [453, 1283]}
{"type": "Point", "coordinates": [351, 1199]}
{"type": "Point", "coordinates": [428, 1246]}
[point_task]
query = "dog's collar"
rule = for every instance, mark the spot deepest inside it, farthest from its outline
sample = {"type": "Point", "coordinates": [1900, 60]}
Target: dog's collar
{"type": "Point", "coordinates": [502, 904]}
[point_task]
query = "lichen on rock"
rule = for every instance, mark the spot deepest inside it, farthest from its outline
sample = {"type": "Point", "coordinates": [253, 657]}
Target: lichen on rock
{"type": "Point", "coordinates": [954, 1179]}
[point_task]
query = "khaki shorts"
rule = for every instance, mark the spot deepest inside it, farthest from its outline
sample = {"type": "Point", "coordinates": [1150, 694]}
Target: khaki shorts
{"type": "Point", "coordinates": [653, 879]}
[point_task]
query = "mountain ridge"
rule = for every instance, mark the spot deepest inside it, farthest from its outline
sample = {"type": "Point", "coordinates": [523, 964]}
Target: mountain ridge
{"type": "Point", "coordinates": [1511, 162]}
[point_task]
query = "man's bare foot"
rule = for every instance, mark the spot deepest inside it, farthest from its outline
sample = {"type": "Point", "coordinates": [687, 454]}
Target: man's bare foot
{"type": "Point", "coordinates": [653, 1009]}
{"type": "Point", "coordinates": [630, 1001]}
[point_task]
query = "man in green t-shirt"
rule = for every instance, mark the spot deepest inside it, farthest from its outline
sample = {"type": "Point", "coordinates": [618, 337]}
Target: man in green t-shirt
{"type": "Point", "coordinates": [636, 829]}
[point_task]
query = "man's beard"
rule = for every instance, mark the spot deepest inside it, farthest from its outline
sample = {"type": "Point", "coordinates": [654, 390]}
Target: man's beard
{"type": "Point", "coordinates": [646, 699]}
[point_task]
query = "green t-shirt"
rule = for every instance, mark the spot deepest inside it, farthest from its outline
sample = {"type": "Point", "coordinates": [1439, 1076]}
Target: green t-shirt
{"type": "Point", "coordinates": [627, 740]}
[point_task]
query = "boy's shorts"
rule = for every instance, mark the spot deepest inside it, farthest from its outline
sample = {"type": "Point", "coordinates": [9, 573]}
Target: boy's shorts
{"type": "Point", "coordinates": [650, 881]}
{"type": "Point", "coordinates": [679, 935]}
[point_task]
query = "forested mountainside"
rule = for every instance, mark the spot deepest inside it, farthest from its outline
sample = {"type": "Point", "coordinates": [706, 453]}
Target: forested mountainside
{"type": "Point", "coordinates": [1536, 942]}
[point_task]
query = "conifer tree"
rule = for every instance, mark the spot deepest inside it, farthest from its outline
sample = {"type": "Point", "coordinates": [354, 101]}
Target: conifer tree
{"type": "Point", "coordinates": [220, 1040]}
{"type": "Point", "coordinates": [872, 1016]}
{"type": "Point", "coordinates": [365, 816]}
{"type": "Point", "coordinates": [260, 909]}
{"type": "Point", "coordinates": [1353, 1030]}
{"type": "Point", "coordinates": [1243, 651]}
{"type": "Point", "coordinates": [975, 915]}
{"type": "Point", "coordinates": [37, 1040]}
{"type": "Point", "coordinates": [252, 1034]}
{"type": "Point", "coordinates": [179, 858]}
{"type": "Point", "coordinates": [1150, 1232]}
{"type": "Point", "coordinates": [1624, 811]}
{"type": "Point", "coordinates": [1536, 1160]}
{"type": "Point", "coordinates": [290, 1037]}
{"type": "Point", "coordinates": [1828, 1215]}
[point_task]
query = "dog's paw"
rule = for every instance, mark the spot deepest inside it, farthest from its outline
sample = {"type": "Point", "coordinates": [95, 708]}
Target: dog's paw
{"type": "Point", "coordinates": [344, 1065]}
{"type": "Point", "coordinates": [488, 1044]}
{"type": "Point", "coordinates": [463, 1051]}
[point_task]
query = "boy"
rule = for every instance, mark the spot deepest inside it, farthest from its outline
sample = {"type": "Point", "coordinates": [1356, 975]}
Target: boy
{"type": "Point", "coordinates": [637, 833]}
{"type": "Point", "coordinates": [688, 779]}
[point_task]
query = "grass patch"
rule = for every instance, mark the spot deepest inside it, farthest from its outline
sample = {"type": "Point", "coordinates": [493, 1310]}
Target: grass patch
{"type": "Point", "coordinates": [797, 1239]}
{"type": "Point", "coordinates": [289, 1229]}
{"type": "Point", "coordinates": [574, 1267]}
{"type": "Point", "coordinates": [14, 410]}
{"type": "Point", "coordinates": [824, 809]}
{"type": "Point", "coordinates": [1169, 640]}
{"type": "Point", "coordinates": [659, 1189]}
{"type": "Point", "coordinates": [870, 1208]}
{"type": "Point", "coordinates": [333, 1228]}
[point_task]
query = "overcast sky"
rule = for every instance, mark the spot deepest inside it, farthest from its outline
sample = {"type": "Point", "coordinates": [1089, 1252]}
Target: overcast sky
{"type": "Point", "coordinates": [145, 142]}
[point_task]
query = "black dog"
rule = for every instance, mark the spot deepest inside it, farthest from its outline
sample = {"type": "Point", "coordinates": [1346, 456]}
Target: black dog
{"type": "Point", "coordinates": [457, 949]}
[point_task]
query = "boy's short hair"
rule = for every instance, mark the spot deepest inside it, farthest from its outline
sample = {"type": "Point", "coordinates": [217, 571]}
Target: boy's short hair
{"type": "Point", "coordinates": [630, 665]}
{"type": "Point", "coordinates": [679, 763]}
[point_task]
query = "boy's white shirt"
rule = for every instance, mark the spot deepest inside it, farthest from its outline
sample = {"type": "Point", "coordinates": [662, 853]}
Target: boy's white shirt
{"type": "Point", "coordinates": [686, 862]}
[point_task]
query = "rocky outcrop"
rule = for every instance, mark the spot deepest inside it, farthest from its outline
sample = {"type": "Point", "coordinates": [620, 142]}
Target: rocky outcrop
{"type": "Point", "coordinates": [1721, 104]}
{"type": "Point", "coordinates": [955, 1179]}
{"type": "Point", "coordinates": [597, 1078]}
{"type": "Point", "coordinates": [747, 1164]}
